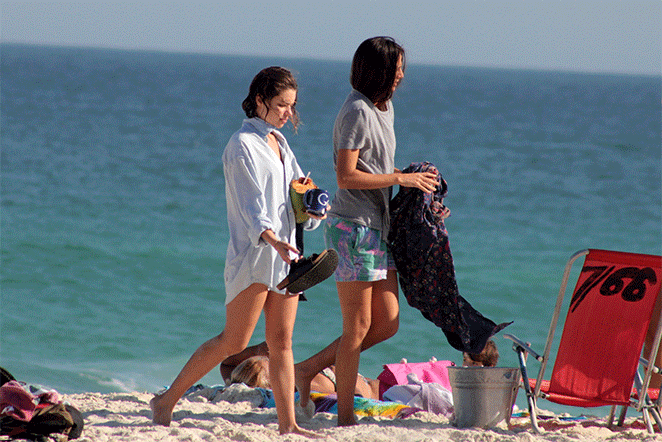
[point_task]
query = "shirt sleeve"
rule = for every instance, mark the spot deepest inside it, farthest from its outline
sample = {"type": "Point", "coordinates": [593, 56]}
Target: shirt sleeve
{"type": "Point", "coordinates": [354, 131]}
{"type": "Point", "coordinates": [241, 174]}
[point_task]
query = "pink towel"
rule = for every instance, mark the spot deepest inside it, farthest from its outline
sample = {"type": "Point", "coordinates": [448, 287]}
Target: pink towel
{"type": "Point", "coordinates": [16, 402]}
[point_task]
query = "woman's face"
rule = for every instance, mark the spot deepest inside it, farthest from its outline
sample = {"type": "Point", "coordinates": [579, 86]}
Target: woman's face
{"type": "Point", "coordinates": [279, 109]}
{"type": "Point", "coordinates": [399, 74]}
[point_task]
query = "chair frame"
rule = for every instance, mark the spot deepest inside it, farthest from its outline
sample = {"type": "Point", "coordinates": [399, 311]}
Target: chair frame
{"type": "Point", "coordinates": [643, 404]}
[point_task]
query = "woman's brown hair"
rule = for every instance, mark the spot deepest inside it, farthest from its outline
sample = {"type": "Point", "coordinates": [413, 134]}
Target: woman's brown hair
{"type": "Point", "coordinates": [251, 372]}
{"type": "Point", "coordinates": [374, 68]}
{"type": "Point", "coordinates": [267, 84]}
{"type": "Point", "coordinates": [488, 357]}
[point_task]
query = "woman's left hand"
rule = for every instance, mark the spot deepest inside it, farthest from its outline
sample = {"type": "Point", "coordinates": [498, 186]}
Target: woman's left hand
{"type": "Point", "coordinates": [320, 218]}
{"type": "Point", "coordinates": [426, 181]}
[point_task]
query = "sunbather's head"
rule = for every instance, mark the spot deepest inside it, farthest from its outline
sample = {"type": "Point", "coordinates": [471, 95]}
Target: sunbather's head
{"type": "Point", "coordinates": [486, 358]}
{"type": "Point", "coordinates": [253, 372]}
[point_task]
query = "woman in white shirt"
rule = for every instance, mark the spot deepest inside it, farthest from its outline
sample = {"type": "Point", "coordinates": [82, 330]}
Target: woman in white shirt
{"type": "Point", "coordinates": [259, 167]}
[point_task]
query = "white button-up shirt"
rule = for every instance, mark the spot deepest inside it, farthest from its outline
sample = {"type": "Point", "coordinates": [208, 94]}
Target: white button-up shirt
{"type": "Point", "coordinates": [257, 192]}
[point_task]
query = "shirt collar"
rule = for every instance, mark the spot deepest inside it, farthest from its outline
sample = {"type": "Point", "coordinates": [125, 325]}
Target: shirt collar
{"type": "Point", "coordinates": [369, 101]}
{"type": "Point", "coordinates": [263, 128]}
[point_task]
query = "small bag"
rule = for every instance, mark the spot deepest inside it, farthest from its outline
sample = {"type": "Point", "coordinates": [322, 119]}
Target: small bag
{"type": "Point", "coordinates": [49, 419]}
{"type": "Point", "coordinates": [432, 371]}
{"type": "Point", "coordinates": [428, 396]}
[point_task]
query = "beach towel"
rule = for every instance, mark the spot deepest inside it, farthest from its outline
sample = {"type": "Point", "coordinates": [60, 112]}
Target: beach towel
{"type": "Point", "coordinates": [323, 402]}
{"type": "Point", "coordinates": [328, 403]}
{"type": "Point", "coordinates": [419, 242]}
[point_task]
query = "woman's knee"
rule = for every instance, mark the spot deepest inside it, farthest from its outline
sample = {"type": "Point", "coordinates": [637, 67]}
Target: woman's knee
{"type": "Point", "coordinates": [381, 331]}
{"type": "Point", "coordinates": [279, 341]}
{"type": "Point", "coordinates": [229, 343]}
{"type": "Point", "coordinates": [357, 331]}
{"type": "Point", "coordinates": [391, 328]}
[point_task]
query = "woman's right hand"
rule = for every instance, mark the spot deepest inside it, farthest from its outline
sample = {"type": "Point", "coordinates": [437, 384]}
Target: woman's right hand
{"type": "Point", "coordinates": [426, 181]}
{"type": "Point", "coordinates": [283, 248]}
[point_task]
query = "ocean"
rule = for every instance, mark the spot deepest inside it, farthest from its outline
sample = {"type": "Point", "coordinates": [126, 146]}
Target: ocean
{"type": "Point", "coordinates": [113, 225]}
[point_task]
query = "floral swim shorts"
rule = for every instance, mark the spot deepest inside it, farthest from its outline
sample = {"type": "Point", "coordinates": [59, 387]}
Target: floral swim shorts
{"type": "Point", "coordinates": [362, 255]}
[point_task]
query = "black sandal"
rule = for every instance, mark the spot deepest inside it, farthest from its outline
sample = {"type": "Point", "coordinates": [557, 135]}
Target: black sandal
{"type": "Point", "coordinates": [307, 272]}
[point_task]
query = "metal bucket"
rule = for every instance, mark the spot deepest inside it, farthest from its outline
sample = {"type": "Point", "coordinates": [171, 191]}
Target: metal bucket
{"type": "Point", "coordinates": [483, 396]}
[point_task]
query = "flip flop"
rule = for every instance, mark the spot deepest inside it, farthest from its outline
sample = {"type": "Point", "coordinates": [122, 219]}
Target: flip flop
{"type": "Point", "coordinates": [307, 272]}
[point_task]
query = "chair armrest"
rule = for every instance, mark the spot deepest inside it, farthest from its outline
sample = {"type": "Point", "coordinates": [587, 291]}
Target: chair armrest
{"type": "Point", "coordinates": [655, 368]}
{"type": "Point", "coordinates": [524, 346]}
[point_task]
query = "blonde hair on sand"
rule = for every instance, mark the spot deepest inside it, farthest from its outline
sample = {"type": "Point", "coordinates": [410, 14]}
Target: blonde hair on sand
{"type": "Point", "coordinates": [253, 372]}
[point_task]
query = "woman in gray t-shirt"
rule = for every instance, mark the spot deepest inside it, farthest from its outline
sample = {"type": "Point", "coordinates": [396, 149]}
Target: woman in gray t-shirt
{"type": "Point", "coordinates": [358, 223]}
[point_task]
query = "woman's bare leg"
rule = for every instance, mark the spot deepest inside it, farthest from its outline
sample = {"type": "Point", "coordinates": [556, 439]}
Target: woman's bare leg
{"type": "Point", "coordinates": [355, 304]}
{"type": "Point", "coordinates": [280, 313]}
{"type": "Point", "coordinates": [305, 371]}
{"type": "Point", "coordinates": [385, 312]}
{"type": "Point", "coordinates": [241, 318]}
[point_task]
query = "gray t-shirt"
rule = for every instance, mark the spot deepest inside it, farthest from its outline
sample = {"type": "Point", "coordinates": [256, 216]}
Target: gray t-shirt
{"type": "Point", "coordinates": [361, 125]}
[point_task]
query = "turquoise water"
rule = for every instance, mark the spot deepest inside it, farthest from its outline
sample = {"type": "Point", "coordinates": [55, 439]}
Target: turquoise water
{"type": "Point", "coordinates": [113, 231]}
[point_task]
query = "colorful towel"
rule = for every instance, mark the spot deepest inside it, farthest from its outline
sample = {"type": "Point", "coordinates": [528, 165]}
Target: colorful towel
{"type": "Point", "coordinates": [328, 403]}
{"type": "Point", "coordinates": [419, 243]}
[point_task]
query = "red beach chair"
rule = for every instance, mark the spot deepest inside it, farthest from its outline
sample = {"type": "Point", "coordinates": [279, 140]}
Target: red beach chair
{"type": "Point", "coordinates": [598, 357]}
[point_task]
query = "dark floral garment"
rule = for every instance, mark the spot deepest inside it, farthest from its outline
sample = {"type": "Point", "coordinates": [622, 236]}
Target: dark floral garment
{"type": "Point", "coordinates": [419, 243]}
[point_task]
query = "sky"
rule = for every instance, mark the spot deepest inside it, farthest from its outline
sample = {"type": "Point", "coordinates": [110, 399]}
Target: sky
{"type": "Point", "coordinates": [612, 36]}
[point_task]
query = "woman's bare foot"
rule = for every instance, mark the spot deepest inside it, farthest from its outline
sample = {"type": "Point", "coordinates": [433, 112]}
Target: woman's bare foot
{"type": "Point", "coordinates": [347, 422]}
{"type": "Point", "coordinates": [298, 430]}
{"type": "Point", "coordinates": [304, 413]}
{"type": "Point", "coordinates": [161, 414]}
{"type": "Point", "coordinates": [302, 382]}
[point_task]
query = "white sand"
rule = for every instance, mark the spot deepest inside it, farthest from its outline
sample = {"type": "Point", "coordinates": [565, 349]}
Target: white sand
{"type": "Point", "coordinates": [127, 417]}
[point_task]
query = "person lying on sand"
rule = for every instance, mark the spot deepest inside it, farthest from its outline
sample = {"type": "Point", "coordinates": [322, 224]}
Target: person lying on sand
{"type": "Point", "coordinates": [251, 367]}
